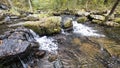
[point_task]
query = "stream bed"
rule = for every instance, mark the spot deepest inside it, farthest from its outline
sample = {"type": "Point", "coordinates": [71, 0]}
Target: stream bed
{"type": "Point", "coordinates": [86, 46]}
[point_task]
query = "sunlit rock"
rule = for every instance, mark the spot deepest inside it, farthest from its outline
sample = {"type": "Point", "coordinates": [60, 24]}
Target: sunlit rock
{"type": "Point", "coordinates": [49, 26]}
{"type": "Point", "coordinates": [117, 20]}
{"type": "Point", "coordinates": [82, 19]}
{"type": "Point", "coordinates": [97, 21]}
{"type": "Point", "coordinates": [67, 23]}
{"type": "Point", "coordinates": [98, 17]}
{"type": "Point", "coordinates": [82, 13]}
{"type": "Point", "coordinates": [111, 23]}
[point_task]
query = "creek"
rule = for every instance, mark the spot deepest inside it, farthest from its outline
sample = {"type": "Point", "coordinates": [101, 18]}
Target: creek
{"type": "Point", "coordinates": [86, 46]}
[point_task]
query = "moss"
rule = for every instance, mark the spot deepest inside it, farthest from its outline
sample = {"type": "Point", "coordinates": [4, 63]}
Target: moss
{"type": "Point", "coordinates": [117, 20]}
{"type": "Point", "coordinates": [50, 26]}
{"type": "Point", "coordinates": [67, 23]}
{"type": "Point", "coordinates": [97, 21]}
{"type": "Point", "coordinates": [97, 17]}
{"type": "Point", "coordinates": [82, 19]}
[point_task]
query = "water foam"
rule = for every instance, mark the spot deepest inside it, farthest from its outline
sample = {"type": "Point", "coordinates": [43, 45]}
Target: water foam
{"type": "Point", "coordinates": [85, 30]}
{"type": "Point", "coordinates": [46, 43]}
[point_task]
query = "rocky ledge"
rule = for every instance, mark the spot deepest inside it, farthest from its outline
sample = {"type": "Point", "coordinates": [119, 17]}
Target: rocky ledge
{"type": "Point", "coordinates": [18, 44]}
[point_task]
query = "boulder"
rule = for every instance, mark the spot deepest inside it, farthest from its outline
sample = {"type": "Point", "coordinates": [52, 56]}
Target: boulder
{"type": "Point", "coordinates": [112, 24]}
{"type": "Point", "coordinates": [82, 13]}
{"type": "Point", "coordinates": [82, 19]}
{"type": "Point", "coordinates": [117, 20]}
{"type": "Point", "coordinates": [97, 21]}
{"type": "Point", "coordinates": [67, 23]}
{"type": "Point", "coordinates": [15, 44]}
{"type": "Point", "coordinates": [97, 17]}
{"type": "Point", "coordinates": [30, 18]}
{"type": "Point", "coordinates": [49, 26]}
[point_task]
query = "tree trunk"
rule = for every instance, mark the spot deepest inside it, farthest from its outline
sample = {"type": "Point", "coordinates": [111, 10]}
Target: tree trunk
{"type": "Point", "coordinates": [30, 5]}
{"type": "Point", "coordinates": [112, 10]}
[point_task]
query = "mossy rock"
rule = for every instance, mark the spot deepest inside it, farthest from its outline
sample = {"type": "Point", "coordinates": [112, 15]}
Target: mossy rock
{"type": "Point", "coordinates": [67, 23]}
{"type": "Point", "coordinates": [97, 21]}
{"type": "Point", "coordinates": [82, 19]}
{"type": "Point", "coordinates": [97, 17]}
{"type": "Point", "coordinates": [117, 20]}
{"type": "Point", "coordinates": [50, 26]}
{"type": "Point", "coordinates": [112, 24]}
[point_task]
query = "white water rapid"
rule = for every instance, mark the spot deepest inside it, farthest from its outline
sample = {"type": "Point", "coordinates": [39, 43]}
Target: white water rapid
{"type": "Point", "coordinates": [85, 30]}
{"type": "Point", "coordinates": [46, 43]}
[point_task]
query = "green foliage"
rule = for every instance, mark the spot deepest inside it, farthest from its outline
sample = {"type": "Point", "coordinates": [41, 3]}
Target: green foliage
{"type": "Point", "coordinates": [62, 4]}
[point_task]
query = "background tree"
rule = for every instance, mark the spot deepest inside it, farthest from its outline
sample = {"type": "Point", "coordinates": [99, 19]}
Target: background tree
{"type": "Point", "coordinates": [112, 10]}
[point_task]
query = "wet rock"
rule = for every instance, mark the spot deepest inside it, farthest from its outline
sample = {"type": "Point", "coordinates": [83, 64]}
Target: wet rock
{"type": "Point", "coordinates": [97, 17]}
{"type": "Point", "coordinates": [67, 23]}
{"type": "Point", "coordinates": [82, 19]}
{"type": "Point", "coordinates": [17, 43]}
{"type": "Point", "coordinates": [58, 64]}
{"type": "Point", "coordinates": [52, 58]}
{"type": "Point", "coordinates": [50, 26]}
{"type": "Point", "coordinates": [40, 53]}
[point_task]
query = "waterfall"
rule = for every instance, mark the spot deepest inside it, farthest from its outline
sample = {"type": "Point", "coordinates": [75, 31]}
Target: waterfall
{"type": "Point", "coordinates": [85, 30]}
{"type": "Point", "coordinates": [46, 43]}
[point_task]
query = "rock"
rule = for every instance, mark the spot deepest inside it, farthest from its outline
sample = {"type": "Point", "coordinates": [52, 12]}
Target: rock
{"type": "Point", "coordinates": [2, 16]}
{"type": "Point", "coordinates": [3, 7]}
{"type": "Point", "coordinates": [97, 21]}
{"type": "Point", "coordinates": [117, 20]}
{"type": "Point", "coordinates": [112, 24]}
{"type": "Point", "coordinates": [82, 19]}
{"type": "Point", "coordinates": [30, 18]}
{"type": "Point", "coordinates": [82, 13]}
{"type": "Point", "coordinates": [98, 17]}
{"type": "Point", "coordinates": [67, 23]}
{"type": "Point", "coordinates": [57, 13]}
{"type": "Point", "coordinates": [40, 53]}
{"type": "Point", "coordinates": [52, 58]}
{"type": "Point", "coordinates": [50, 26]}
{"type": "Point", "coordinates": [99, 12]}
{"type": "Point", "coordinates": [17, 43]}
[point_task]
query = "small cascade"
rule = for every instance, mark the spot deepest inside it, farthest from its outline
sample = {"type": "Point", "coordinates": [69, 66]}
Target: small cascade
{"type": "Point", "coordinates": [85, 30]}
{"type": "Point", "coordinates": [46, 43]}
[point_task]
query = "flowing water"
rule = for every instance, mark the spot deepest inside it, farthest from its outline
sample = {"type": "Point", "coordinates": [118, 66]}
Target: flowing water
{"type": "Point", "coordinates": [84, 47]}
{"type": "Point", "coordinates": [85, 30]}
{"type": "Point", "coordinates": [46, 43]}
